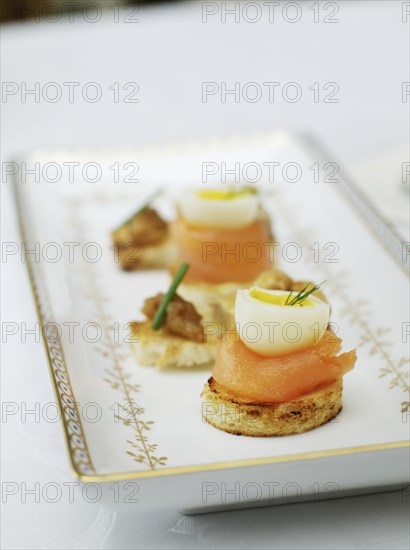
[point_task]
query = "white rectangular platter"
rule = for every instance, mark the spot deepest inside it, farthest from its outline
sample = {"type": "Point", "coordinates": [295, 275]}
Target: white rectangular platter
{"type": "Point", "coordinates": [124, 421]}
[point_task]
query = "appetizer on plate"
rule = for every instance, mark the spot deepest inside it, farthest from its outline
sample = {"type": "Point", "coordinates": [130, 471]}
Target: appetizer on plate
{"type": "Point", "coordinates": [224, 234]}
{"type": "Point", "coordinates": [144, 241]}
{"type": "Point", "coordinates": [279, 372]}
{"type": "Point", "coordinates": [173, 334]}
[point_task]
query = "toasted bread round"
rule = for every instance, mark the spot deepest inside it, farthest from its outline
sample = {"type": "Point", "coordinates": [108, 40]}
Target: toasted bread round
{"type": "Point", "coordinates": [238, 415]}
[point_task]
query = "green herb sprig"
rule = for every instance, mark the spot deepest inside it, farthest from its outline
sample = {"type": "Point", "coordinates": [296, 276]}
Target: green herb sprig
{"type": "Point", "coordinates": [302, 295]}
{"type": "Point", "coordinates": [161, 312]}
{"type": "Point", "coordinates": [141, 209]}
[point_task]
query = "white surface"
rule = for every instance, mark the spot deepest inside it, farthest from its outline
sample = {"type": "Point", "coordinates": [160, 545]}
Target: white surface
{"type": "Point", "coordinates": [170, 53]}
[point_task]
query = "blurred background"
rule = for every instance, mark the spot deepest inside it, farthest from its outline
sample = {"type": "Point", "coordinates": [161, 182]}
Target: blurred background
{"type": "Point", "coordinates": [170, 50]}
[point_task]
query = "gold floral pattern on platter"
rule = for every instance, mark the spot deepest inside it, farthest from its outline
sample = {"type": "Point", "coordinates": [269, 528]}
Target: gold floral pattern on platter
{"type": "Point", "coordinates": [129, 412]}
{"type": "Point", "coordinates": [374, 339]}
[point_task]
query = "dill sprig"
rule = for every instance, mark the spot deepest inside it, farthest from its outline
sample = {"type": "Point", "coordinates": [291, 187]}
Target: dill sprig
{"type": "Point", "coordinates": [302, 295]}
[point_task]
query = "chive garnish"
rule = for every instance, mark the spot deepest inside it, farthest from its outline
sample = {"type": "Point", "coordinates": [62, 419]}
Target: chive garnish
{"type": "Point", "coordinates": [159, 316]}
{"type": "Point", "coordinates": [302, 295]}
{"type": "Point", "coordinates": [141, 209]}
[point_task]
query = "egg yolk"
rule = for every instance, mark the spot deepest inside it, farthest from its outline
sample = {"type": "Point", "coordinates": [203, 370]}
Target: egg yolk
{"type": "Point", "coordinates": [278, 300]}
{"type": "Point", "coordinates": [209, 194]}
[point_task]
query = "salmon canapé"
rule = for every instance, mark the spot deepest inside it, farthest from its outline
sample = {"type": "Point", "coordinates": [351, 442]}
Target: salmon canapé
{"type": "Point", "coordinates": [280, 379]}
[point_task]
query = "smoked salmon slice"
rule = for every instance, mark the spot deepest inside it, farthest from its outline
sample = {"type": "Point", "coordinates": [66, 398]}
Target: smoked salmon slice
{"type": "Point", "coordinates": [280, 379]}
{"type": "Point", "coordinates": [224, 255]}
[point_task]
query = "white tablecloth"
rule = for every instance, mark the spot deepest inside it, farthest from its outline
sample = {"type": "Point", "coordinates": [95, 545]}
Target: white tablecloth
{"type": "Point", "coordinates": [170, 52]}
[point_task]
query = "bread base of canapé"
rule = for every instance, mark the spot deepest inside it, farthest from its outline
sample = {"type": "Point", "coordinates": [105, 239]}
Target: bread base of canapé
{"type": "Point", "coordinates": [164, 350]}
{"type": "Point", "coordinates": [238, 415]}
{"type": "Point", "coordinates": [132, 257]}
